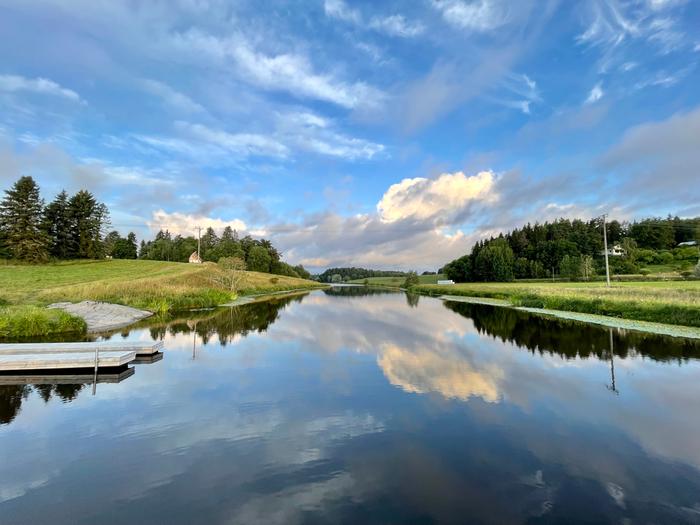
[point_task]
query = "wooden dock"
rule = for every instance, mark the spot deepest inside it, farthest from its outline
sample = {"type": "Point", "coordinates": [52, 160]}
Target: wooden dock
{"type": "Point", "coordinates": [49, 361]}
{"type": "Point", "coordinates": [139, 348]}
{"type": "Point", "coordinates": [54, 377]}
{"type": "Point", "coordinates": [25, 357]}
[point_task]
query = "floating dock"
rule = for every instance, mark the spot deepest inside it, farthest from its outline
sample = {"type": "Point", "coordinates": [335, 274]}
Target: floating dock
{"type": "Point", "coordinates": [69, 378]}
{"type": "Point", "coordinates": [138, 347]}
{"type": "Point", "coordinates": [52, 361]}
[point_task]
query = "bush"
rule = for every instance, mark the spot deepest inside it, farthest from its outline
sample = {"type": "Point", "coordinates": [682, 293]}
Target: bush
{"type": "Point", "coordinates": [645, 271]}
{"type": "Point", "coordinates": [411, 280]}
{"type": "Point", "coordinates": [274, 280]}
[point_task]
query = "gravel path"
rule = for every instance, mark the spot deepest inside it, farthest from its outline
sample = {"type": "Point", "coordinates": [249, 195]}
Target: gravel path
{"type": "Point", "coordinates": [101, 317]}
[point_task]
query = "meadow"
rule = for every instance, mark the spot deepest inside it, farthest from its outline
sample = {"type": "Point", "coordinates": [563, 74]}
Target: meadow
{"type": "Point", "coordinates": [158, 286]}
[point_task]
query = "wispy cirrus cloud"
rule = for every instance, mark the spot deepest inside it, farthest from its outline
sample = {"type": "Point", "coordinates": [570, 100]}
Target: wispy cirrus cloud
{"type": "Point", "coordinates": [289, 72]}
{"type": "Point", "coordinates": [172, 97]}
{"type": "Point", "coordinates": [42, 86]}
{"type": "Point", "coordinates": [477, 15]}
{"type": "Point", "coordinates": [393, 25]}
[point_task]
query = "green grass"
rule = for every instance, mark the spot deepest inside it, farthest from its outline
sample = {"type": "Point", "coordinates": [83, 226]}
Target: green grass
{"type": "Point", "coordinates": [672, 302]}
{"type": "Point", "coordinates": [31, 321]}
{"type": "Point", "coordinates": [160, 287]}
{"type": "Point", "coordinates": [396, 281]}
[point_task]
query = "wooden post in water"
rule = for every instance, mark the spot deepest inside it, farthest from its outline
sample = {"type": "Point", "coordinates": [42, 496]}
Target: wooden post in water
{"type": "Point", "coordinates": [94, 382]}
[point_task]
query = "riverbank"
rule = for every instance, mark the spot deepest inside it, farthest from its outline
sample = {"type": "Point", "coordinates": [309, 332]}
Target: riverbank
{"type": "Point", "coordinates": [156, 286]}
{"type": "Point", "coordinates": [668, 302]}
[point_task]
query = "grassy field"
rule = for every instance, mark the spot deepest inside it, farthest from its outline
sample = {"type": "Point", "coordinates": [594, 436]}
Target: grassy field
{"type": "Point", "coordinates": [160, 287]}
{"type": "Point", "coordinates": [673, 302]}
{"type": "Point", "coordinates": [396, 281]}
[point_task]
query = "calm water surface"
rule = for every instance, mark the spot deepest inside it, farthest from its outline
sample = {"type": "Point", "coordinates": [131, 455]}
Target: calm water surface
{"type": "Point", "coordinates": [346, 406]}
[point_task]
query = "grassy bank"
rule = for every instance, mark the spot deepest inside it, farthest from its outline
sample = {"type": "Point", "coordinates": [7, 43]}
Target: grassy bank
{"type": "Point", "coordinates": [672, 302]}
{"type": "Point", "coordinates": [160, 287]}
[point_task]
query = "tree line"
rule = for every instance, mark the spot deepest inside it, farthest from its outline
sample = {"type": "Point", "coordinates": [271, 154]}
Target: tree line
{"type": "Point", "coordinates": [259, 255]}
{"type": "Point", "coordinates": [348, 274]}
{"type": "Point", "coordinates": [76, 227]}
{"type": "Point", "coordinates": [69, 227]}
{"type": "Point", "coordinates": [574, 249]}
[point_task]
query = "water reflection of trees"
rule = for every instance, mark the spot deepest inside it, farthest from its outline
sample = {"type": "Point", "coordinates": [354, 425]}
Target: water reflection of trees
{"type": "Point", "coordinates": [228, 323]}
{"type": "Point", "coordinates": [571, 339]}
{"type": "Point", "coordinates": [12, 396]}
{"type": "Point", "coordinates": [357, 291]}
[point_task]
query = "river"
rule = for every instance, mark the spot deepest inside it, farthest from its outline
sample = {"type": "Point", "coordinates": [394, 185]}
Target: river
{"type": "Point", "coordinates": [355, 405]}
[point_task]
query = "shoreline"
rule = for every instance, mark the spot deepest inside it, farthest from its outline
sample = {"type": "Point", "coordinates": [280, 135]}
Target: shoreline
{"type": "Point", "coordinates": [671, 330]}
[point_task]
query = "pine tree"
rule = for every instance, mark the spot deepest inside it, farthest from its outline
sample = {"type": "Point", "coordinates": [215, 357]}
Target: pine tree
{"type": "Point", "coordinates": [88, 220]}
{"type": "Point", "coordinates": [21, 214]}
{"type": "Point", "coordinates": [57, 225]}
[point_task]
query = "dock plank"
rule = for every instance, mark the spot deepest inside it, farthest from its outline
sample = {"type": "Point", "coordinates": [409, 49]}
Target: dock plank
{"type": "Point", "coordinates": [138, 347]}
{"type": "Point", "coordinates": [44, 361]}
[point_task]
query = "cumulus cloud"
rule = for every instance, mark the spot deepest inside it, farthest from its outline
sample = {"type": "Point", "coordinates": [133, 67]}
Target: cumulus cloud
{"type": "Point", "coordinates": [450, 193]}
{"type": "Point", "coordinates": [426, 371]}
{"type": "Point", "coordinates": [185, 224]}
{"type": "Point", "coordinates": [43, 86]}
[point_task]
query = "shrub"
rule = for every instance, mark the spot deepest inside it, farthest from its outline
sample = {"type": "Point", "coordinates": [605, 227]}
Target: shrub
{"type": "Point", "coordinates": [645, 271]}
{"type": "Point", "coordinates": [411, 280]}
{"type": "Point", "coordinates": [274, 280]}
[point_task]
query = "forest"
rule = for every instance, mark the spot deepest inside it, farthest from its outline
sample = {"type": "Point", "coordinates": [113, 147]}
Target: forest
{"type": "Point", "coordinates": [573, 249]}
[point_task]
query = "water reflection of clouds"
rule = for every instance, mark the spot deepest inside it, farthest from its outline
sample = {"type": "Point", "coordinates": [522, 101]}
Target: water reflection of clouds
{"type": "Point", "coordinates": [271, 416]}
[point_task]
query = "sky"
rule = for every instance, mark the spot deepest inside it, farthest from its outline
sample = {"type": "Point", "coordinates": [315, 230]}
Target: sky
{"type": "Point", "coordinates": [379, 134]}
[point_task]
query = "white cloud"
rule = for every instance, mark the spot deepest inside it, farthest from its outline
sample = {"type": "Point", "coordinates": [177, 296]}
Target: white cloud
{"type": "Point", "coordinates": [393, 25]}
{"type": "Point", "coordinates": [340, 10]}
{"type": "Point", "coordinates": [184, 224]}
{"type": "Point", "coordinates": [172, 97]}
{"type": "Point", "coordinates": [522, 88]}
{"type": "Point", "coordinates": [396, 25]}
{"type": "Point", "coordinates": [422, 198]}
{"type": "Point", "coordinates": [478, 15]}
{"type": "Point", "coordinates": [44, 86]}
{"type": "Point", "coordinates": [287, 71]}
{"type": "Point", "coordinates": [611, 22]}
{"type": "Point", "coordinates": [241, 143]}
{"type": "Point", "coordinates": [595, 94]}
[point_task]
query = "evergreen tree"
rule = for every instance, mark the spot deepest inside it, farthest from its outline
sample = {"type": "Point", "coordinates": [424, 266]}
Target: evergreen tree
{"type": "Point", "coordinates": [88, 220]}
{"type": "Point", "coordinates": [21, 221]}
{"type": "Point", "coordinates": [57, 224]}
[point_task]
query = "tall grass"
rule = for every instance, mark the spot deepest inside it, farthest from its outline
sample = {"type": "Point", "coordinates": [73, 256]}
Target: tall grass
{"type": "Point", "coordinates": [31, 321]}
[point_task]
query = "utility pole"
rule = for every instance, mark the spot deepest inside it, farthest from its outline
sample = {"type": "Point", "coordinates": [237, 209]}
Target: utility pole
{"type": "Point", "coordinates": [605, 242]}
{"type": "Point", "coordinates": [199, 241]}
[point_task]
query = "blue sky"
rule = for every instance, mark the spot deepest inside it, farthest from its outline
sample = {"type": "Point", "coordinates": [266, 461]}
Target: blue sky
{"type": "Point", "coordinates": [383, 134]}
